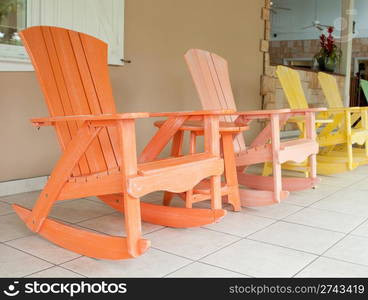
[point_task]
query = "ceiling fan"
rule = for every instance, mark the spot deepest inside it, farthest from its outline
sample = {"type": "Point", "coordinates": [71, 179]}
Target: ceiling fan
{"type": "Point", "coordinates": [274, 8]}
{"type": "Point", "coordinates": [316, 23]}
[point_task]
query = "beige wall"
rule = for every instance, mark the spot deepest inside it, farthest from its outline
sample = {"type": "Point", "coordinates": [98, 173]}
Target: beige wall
{"type": "Point", "coordinates": [157, 34]}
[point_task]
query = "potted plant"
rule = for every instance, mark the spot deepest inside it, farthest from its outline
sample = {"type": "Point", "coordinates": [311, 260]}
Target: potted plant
{"type": "Point", "coordinates": [329, 55]}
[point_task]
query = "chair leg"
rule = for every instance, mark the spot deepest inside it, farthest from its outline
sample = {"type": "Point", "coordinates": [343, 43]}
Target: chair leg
{"type": "Point", "coordinates": [350, 156]}
{"type": "Point", "coordinates": [133, 228]}
{"type": "Point", "coordinates": [277, 180]}
{"type": "Point", "coordinates": [349, 143]}
{"type": "Point", "coordinates": [167, 198]}
{"type": "Point", "coordinates": [189, 199]}
{"type": "Point", "coordinates": [230, 171]}
{"type": "Point", "coordinates": [192, 142]}
{"type": "Point", "coordinates": [310, 133]}
{"type": "Point", "coordinates": [177, 143]}
{"type": "Point", "coordinates": [276, 166]}
{"type": "Point", "coordinates": [176, 148]}
{"type": "Point", "coordinates": [216, 201]}
{"type": "Point", "coordinates": [41, 209]}
{"type": "Point", "coordinates": [312, 167]}
{"type": "Point", "coordinates": [192, 150]}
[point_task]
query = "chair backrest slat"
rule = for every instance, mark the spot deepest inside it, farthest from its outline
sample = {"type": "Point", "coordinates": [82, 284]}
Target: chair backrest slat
{"type": "Point", "coordinates": [330, 90]}
{"type": "Point", "coordinates": [73, 73]}
{"type": "Point", "coordinates": [292, 86]}
{"type": "Point", "coordinates": [364, 86]}
{"type": "Point", "coordinates": [211, 78]}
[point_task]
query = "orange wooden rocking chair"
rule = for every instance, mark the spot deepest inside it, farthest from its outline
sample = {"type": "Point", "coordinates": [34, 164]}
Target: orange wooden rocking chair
{"type": "Point", "coordinates": [211, 78]}
{"type": "Point", "coordinates": [99, 150]}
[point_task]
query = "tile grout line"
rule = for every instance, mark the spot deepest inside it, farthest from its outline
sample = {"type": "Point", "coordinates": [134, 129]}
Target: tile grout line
{"type": "Point", "coordinates": [59, 265]}
{"type": "Point", "coordinates": [80, 221]}
{"type": "Point", "coordinates": [205, 263]}
{"type": "Point", "coordinates": [213, 252]}
{"type": "Point", "coordinates": [240, 273]}
{"type": "Point", "coordinates": [339, 190]}
{"type": "Point", "coordinates": [334, 244]}
{"type": "Point", "coordinates": [323, 198]}
{"type": "Point", "coordinates": [21, 237]}
{"type": "Point", "coordinates": [345, 234]}
{"type": "Point", "coordinates": [38, 271]}
{"type": "Point", "coordinates": [282, 220]}
{"type": "Point", "coordinates": [276, 219]}
{"type": "Point", "coordinates": [280, 246]}
{"type": "Point", "coordinates": [312, 227]}
{"type": "Point", "coordinates": [10, 246]}
{"type": "Point", "coordinates": [240, 238]}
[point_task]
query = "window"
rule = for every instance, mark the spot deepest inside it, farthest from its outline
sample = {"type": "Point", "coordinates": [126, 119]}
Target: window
{"type": "Point", "coordinates": [102, 19]}
{"type": "Point", "coordinates": [12, 19]}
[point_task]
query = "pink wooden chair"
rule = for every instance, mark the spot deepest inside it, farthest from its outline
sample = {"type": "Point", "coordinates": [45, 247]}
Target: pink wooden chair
{"type": "Point", "coordinates": [211, 78]}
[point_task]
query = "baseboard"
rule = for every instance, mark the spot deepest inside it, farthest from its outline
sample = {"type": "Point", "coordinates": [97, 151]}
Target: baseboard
{"type": "Point", "coordinates": [22, 185]}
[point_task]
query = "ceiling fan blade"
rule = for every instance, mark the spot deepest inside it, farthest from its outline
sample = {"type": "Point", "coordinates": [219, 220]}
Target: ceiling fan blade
{"type": "Point", "coordinates": [306, 27]}
{"type": "Point", "coordinates": [283, 8]}
{"type": "Point", "coordinates": [273, 11]}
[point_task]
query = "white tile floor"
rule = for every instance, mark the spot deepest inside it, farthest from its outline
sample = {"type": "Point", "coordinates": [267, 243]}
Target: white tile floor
{"type": "Point", "coordinates": [314, 233]}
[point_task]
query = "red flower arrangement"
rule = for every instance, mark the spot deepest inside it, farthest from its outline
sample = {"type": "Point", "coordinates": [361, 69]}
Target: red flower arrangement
{"type": "Point", "coordinates": [330, 54]}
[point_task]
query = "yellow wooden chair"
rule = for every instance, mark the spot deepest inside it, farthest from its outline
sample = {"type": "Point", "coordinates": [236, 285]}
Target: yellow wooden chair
{"type": "Point", "coordinates": [359, 122]}
{"type": "Point", "coordinates": [336, 136]}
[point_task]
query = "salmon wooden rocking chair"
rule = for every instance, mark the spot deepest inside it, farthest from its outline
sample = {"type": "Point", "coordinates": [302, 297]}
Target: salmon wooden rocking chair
{"type": "Point", "coordinates": [337, 137]}
{"type": "Point", "coordinates": [211, 78]}
{"type": "Point", "coordinates": [99, 150]}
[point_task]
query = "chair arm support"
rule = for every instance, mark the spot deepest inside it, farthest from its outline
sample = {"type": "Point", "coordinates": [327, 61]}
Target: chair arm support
{"type": "Point", "coordinates": [198, 126]}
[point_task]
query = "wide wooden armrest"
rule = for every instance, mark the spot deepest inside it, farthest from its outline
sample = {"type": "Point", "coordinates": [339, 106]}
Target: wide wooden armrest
{"type": "Point", "coordinates": [313, 109]}
{"type": "Point", "coordinates": [193, 113]}
{"type": "Point", "coordinates": [265, 114]}
{"type": "Point", "coordinates": [344, 109]}
{"type": "Point", "coordinates": [262, 112]}
{"type": "Point", "coordinates": [299, 119]}
{"type": "Point", "coordinates": [105, 117]}
{"type": "Point", "coordinates": [244, 117]}
{"type": "Point", "coordinates": [110, 117]}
